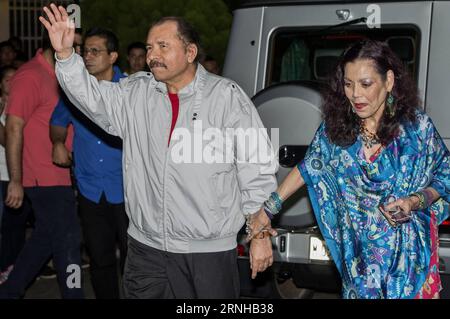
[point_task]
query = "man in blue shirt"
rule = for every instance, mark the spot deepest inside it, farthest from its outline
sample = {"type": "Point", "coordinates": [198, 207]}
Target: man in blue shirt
{"type": "Point", "coordinates": [97, 168]}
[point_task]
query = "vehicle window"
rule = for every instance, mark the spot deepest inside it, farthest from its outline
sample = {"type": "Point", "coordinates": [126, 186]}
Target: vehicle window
{"type": "Point", "coordinates": [312, 54]}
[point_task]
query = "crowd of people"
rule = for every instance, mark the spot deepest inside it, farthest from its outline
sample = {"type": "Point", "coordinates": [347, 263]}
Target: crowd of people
{"type": "Point", "coordinates": [377, 170]}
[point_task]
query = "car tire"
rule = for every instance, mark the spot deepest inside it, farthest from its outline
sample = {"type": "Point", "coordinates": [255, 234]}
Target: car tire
{"type": "Point", "coordinates": [294, 108]}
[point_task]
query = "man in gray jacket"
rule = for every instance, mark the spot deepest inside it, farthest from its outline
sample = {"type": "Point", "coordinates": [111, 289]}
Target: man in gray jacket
{"type": "Point", "coordinates": [186, 201]}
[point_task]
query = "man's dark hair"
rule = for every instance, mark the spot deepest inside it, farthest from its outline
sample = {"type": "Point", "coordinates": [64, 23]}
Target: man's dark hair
{"type": "Point", "coordinates": [112, 43]}
{"type": "Point", "coordinates": [136, 45]}
{"type": "Point", "coordinates": [186, 33]}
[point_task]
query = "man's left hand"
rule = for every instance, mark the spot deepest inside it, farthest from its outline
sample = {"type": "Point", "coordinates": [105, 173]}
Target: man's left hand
{"type": "Point", "coordinates": [261, 256]}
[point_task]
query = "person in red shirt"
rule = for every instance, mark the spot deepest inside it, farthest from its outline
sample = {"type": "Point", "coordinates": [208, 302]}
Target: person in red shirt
{"type": "Point", "coordinates": [33, 97]}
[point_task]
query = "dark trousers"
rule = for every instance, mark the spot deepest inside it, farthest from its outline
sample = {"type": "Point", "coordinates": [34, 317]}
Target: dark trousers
{"type": "Point", "coordinates": [56, 234]}
{"type": "Point", "coordinates": [13, 228]}
{"type": "Point", "coordinates": [151, 273]}
{"type": "Point", "coordinates": [104, 225]}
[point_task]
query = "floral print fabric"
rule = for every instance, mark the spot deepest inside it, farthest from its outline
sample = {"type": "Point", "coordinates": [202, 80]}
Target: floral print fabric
{"type": "Point", "coordinates": [376, 260]}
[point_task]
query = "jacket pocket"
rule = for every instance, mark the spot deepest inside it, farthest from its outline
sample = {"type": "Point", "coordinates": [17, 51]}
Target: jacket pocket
{"type": "Point", "coordinates": [223, 186]}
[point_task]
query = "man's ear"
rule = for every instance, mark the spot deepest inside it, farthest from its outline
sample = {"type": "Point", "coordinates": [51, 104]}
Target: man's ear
{"type": "Point", "coordinates": [192, 52]}
{"type": "Point", "coordinates": [113, 56]}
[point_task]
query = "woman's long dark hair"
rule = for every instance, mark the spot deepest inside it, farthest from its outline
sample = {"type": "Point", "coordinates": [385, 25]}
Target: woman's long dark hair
{"type": "Point", "coordinates": [342, 124]}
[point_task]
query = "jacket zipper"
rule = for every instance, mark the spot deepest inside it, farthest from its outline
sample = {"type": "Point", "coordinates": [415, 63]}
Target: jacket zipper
{"type": "Point", "coordinates": [166, 97]}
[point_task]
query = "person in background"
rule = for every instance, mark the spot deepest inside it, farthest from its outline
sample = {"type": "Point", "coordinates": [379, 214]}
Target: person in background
{"type": "Point", "coordinates": [6, 264]}
{"type": "Point", "coordinates": [136, 58]}
{"type": "Point", "coordinates": [78, 45]}
{"type": "Point", "coordinates": [21, 58]}
{"type": "Point", "coordinates": [7, 54]}
{"type": "Point", "coordinates": [13, 223]}
{"type": "Point", "coordinates": [78, 41]}
{"type": "Point", "coordinates": [211, 65]}
{"type": "Point", "coordinates": [33, 96]}
{"type": "Point", "coordinates": [97, 169]}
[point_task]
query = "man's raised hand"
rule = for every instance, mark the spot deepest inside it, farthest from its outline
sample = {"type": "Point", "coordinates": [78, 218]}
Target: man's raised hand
{"type": "Point", "coordinates": [61, 30]}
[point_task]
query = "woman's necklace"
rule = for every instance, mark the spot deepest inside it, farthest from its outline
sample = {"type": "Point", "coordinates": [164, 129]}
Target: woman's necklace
{"type": "Point", "coordinates": [369, 139]}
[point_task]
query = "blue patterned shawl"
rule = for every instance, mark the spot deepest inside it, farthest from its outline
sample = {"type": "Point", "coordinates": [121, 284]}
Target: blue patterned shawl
{"type": "Point", "coordinates": [374, 259]}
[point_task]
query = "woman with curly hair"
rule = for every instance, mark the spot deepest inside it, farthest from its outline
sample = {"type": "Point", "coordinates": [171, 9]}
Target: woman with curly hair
{"type": "Point", "coordinates": [377, 173]}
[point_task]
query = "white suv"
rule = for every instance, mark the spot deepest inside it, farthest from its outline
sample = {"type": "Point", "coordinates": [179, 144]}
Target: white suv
{"type": "Point", "coordinates": [281, 53]}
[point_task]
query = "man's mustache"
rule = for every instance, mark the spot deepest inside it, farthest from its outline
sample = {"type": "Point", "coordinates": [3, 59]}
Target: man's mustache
{"type": "Point", "coordinates": [156, 64]}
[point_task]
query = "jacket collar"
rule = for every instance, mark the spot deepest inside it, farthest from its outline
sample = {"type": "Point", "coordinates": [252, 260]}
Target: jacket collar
{"type": "Point", "coordinates": [196, 84]}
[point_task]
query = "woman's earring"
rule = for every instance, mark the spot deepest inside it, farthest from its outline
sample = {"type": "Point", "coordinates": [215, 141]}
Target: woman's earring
{"type": "Point", "coordinates": [390, 105]}
{"type": "Point", "coordinates": [351, 110]}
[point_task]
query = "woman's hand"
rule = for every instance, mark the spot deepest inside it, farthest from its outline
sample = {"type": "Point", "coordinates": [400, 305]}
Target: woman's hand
{"type": "Point", "coordinates": [399, 211]}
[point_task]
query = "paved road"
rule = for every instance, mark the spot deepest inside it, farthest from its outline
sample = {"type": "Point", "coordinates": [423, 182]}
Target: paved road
{"type": "Point", "coordinates": [48, 288]}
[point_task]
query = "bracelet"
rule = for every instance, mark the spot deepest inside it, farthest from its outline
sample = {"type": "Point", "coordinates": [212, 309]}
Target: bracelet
{"type": "Point", "coordinates": [248, 229]}
{"type": "Point", "coordinates": [248, 225]}
{"type": "Point", "coordinates": [277, 199]}
{"type": "Point", "coordinates": [268, 213]}
{"type": "Point", "coordinates": [274, 204]}
{"type": "Point", "coordinates": [262, 233]}
{"type": "Point", "coordinates": [425, 197]}
{"type": "Point", "coordinates": [421, 199]}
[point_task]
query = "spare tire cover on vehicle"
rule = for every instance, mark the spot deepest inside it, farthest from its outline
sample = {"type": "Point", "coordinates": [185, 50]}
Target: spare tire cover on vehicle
{"type": "Point", "coordinates": [293, 108]}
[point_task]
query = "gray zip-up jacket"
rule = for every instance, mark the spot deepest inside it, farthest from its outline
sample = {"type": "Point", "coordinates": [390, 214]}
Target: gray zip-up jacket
{"type": "Point", "coordinates": [178, 199]}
